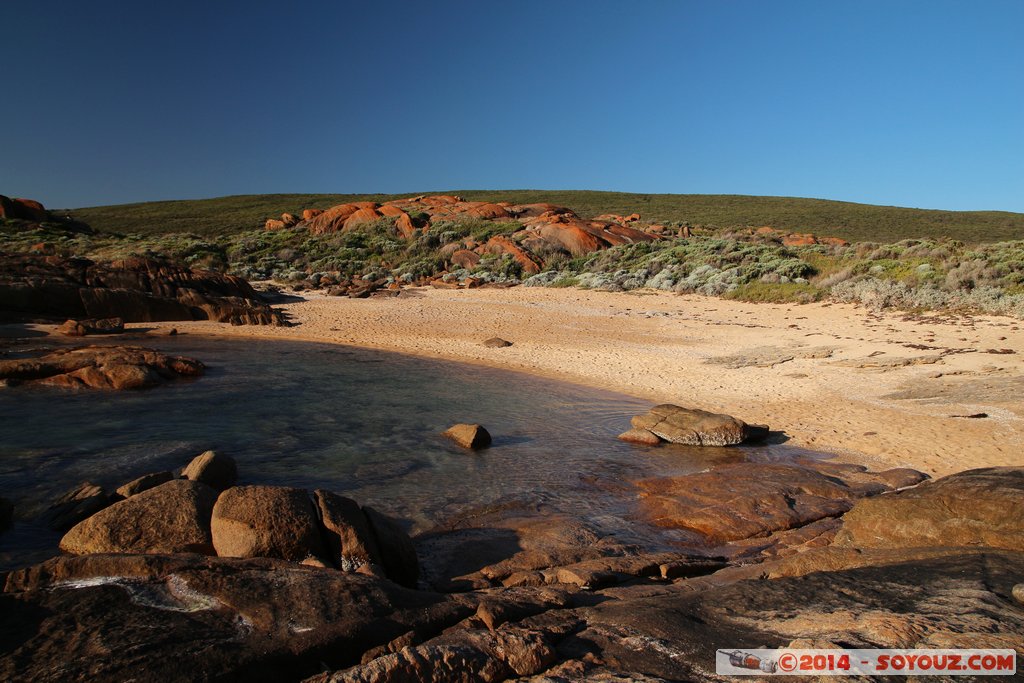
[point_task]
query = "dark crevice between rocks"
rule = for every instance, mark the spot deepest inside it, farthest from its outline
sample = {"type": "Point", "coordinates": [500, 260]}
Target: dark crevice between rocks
{"type": "Point", "coordinates": [326, 535]}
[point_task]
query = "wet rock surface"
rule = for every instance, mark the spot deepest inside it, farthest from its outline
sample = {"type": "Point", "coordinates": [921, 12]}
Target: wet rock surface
{"type": "Point", "coordinates": [101, 367]}
{"type": "Point", "coordinates": [135, 290]}
{"type": "Point", "coordinates": [745, 500]}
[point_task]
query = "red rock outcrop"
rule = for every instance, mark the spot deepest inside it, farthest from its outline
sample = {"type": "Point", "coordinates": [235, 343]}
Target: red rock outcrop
{"type": "Point", "coordinates": [503, 245]}
{"type": "Point", "coordinates": [548, 228]}
{"type": "Point", "coordinates": [22, 209]}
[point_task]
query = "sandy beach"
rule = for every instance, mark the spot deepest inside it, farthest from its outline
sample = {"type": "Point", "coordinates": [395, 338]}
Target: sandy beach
{"type": "Point", "coordinates": [883, 389]}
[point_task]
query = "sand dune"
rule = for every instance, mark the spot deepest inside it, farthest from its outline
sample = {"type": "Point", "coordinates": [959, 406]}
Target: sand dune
{"type": "Point", "coordinates": [880, 389]}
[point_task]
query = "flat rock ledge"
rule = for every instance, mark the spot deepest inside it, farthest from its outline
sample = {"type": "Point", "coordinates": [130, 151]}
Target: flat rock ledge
{"type": "Point", "coordinates": [901, 564]}
{"type": "Point", "coordinates": [100, 367]}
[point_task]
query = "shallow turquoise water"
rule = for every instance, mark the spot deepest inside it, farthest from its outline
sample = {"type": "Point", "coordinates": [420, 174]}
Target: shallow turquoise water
{"type": "Point", "coordinates": [359, 422]}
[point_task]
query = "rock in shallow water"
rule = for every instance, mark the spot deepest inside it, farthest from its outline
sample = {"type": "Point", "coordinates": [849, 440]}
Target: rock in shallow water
{"type": "Point", "coordinates": [469, 435]}
{"type": "Point", "coordinates": [693, 427]}
{"type": "Point", "coordinates": [101, 367]}
{"type": "Point", "coordinates": [640, 436]}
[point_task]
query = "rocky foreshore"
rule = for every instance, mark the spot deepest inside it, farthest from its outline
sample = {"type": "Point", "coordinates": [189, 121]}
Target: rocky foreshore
{"type": "Point", "coordinates": [189, 576]}
{"type": "Point", "coordinates": [134, 290]}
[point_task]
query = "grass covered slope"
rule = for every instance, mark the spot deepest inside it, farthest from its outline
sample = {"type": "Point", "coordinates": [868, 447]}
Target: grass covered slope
{"type": "Point", "coordinates": [855, 222]}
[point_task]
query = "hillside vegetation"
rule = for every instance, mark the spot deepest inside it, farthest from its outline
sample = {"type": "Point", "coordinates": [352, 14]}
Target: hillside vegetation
{"type": "Point", "coordinates": [856, 222]}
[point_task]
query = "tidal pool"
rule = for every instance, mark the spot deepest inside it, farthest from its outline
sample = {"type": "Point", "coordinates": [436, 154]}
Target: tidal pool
{"type": "Point", "coordinates": [359, 422]}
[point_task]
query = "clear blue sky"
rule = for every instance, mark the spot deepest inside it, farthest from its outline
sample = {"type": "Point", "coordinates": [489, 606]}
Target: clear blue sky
{"type": "Point", "coordinates": [912, 103]}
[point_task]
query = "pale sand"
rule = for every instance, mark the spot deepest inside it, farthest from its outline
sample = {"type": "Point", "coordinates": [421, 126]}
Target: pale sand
{"type": "Point", "coordinates": [657, 345]}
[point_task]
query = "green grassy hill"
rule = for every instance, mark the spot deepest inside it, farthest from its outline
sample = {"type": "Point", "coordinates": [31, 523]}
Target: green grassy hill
{"type": "Point", "coordinates": [860, 222]}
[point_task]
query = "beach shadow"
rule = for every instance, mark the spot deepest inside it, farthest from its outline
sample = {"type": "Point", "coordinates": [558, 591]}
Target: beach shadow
{"type": "Point", "coordinates": [775, 438]}
{"type": "Point", "coordinates": [20, 331]}
{"type": "Point", "coordinates": [272, 297]}
{"type": "Point", "coordinates": [447, 555]}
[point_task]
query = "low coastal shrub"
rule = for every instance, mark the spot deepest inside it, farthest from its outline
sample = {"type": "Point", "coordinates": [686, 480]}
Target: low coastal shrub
{"type": "Point", "coordinates": [914, 274]}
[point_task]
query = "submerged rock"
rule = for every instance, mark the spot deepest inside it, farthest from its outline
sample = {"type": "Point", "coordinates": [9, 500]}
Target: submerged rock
{"type": "Point", "coordinates": [101, 367]}
{"type": "Point", "coordinates": [694, 427]}
{"type": "Point", "coordinates": [640, 436]}
{"type": "Point", "coordinates": [171, 518]}
{"type": "Point", "coordinates": [469, 435]}
{"type": "Point", "coordinates": [214, 469]}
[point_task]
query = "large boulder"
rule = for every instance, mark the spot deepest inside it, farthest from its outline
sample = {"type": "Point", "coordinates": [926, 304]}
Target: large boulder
{"type": "Point", "coordinates": [266, 521]}
{"type": "Point", "coordinates": [982, 507]}
{"type": "Point", "coordinates": [189, 617]}
{"type": "Point", "coordinates": [214, 469]}
{"type": "Point", "coordinates": [101, 367]}
{"type": "Point", "coordinates": [171, 518]}
{"type": "Point", "coordinates": [694, 427]}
